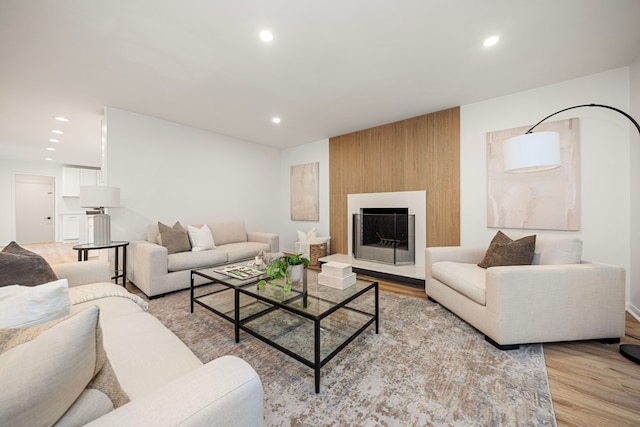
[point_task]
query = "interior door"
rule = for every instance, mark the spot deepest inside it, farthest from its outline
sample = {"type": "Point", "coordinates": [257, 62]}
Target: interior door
{"type": "Point", "coordinates": [34, 209]}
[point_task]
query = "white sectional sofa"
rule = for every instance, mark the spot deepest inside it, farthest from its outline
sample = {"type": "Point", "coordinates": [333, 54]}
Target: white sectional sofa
{"type": "Point", "coordinates": [155, 271]}
{"type": "Point", "coordinates": [558, 298]}
{"type": "Point", "coordinates": [166, 383]}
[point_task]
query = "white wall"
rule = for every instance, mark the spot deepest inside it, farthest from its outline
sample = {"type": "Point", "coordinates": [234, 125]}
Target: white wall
{"type": "Point", "coordinates": [605, 165]}
{"type": "Point", "coordinates": [169, 172]}
{"type": "Point", "coordinates": [634, 297]}
{"type": "Point", "coordinates": [308, 153]}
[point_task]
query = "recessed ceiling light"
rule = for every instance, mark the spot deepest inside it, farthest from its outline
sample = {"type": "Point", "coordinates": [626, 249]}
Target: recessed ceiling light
{"type": "Point", "coordinates": [276, 120]}
{"type": "Point", "coordinates": [62, 119]}
{"type": "Point", "coordinates": [57, 132]}
{"type": "Point", "coordinates": [51, 149]}
{"type": "Point", "coordinates": [53, 140]}
{"type": "Point", "coordinates": [491, 41]}
{"type": "Point", "coordinates": [48, 159]}
{"type": "Point", "coordinates": [266, 36]}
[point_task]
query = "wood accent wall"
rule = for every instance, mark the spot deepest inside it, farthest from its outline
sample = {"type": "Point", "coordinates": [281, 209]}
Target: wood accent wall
{"type": "Point", "coordinates": [421, 153]}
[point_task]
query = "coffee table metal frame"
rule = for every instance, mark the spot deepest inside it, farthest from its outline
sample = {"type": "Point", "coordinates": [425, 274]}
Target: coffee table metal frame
{"type": "Point", "coordinates": [292, 304]}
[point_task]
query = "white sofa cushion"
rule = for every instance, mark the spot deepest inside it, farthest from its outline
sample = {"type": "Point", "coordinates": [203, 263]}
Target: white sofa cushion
{"type": "Point", "coordinates": [24, 306]}
{"type": "Point", "coordinates": [230, 232]}
{"type": "Point", "coordinates": [554, 250]}
{"type": "Point", "coordinates": [467, 279]}
{"type": "Point", "coordinates": [144, 354]}
{"type": "Point", "coordinates": [242, 251]}
{"type": "Point", "coordinates": [559, 250]}
{"type": "Point", "coordinates": [190, 260]}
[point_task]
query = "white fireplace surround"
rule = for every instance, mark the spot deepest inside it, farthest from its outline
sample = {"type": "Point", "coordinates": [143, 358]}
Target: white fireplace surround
{"type": "Point", "coordinates": [416, 201]}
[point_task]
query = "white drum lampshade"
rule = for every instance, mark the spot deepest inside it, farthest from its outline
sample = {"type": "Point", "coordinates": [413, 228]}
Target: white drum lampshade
{"type": "Point", "coordinates": [100, 197]}
{"type": "Point", "coordinates": [531, 152]}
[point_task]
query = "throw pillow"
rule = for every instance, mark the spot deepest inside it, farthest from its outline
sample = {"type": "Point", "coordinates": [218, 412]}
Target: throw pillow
{"type": "Point", "coordinates": [505, 251]}
{"type": "Point", "coordinates": [24, 306]}
{"type": "Point", "coordinates": [317, 240]}
{"type": "Point", "coordinates": [45, 368]}
{"type": "Point", "coordinates": [20, 266]}
{"type": "Point", "coordinates": [201, 238]}
{"type": "Point", "coordinates": [306, 237]}
{"type": "Point", "coordinates": [175, 238]}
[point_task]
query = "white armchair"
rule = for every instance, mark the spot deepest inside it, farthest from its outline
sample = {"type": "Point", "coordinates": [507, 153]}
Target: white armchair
{"type": "Point", "coordinates": [524, 304]}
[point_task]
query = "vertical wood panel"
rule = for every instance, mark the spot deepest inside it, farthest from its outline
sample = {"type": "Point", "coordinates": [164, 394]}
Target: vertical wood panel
{"type": "Point", "coordinates": [421, 153]}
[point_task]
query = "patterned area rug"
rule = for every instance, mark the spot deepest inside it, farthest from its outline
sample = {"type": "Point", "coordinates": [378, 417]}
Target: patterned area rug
{"type": "Point", "coordinates": [426, 367]}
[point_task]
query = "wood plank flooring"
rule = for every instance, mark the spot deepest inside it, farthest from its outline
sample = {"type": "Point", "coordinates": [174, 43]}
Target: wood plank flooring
{"type": "Point", "coordinates": [591, 383]}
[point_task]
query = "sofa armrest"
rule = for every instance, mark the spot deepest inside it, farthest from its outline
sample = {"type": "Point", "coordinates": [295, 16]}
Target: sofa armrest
{"type": "Point", "coordinates": [587, 297]}
{"type": "Point", "coordinates": [224, 392]}
{"type": "Point", "coordinates": [453, 254]}
{"type": "Point", "coordinates": [82, 273]}
{"type": "Point", "coordinates": [271, 239]}
{"type": "Point", "coordinates": [146, 262]}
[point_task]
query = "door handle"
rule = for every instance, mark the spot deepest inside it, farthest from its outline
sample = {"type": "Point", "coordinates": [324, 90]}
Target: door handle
{"type": "Point", "coordinates": [48, 217]}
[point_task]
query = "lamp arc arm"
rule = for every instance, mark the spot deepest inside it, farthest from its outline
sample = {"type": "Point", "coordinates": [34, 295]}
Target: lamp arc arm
{"type": "Point", "coordinates": [588, 105]}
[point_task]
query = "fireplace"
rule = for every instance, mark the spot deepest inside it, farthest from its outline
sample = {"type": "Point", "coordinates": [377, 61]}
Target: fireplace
{"type": "Point", "coordinates": [384, 235]}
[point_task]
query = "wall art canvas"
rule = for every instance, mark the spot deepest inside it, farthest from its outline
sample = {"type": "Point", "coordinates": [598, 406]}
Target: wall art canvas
{"type": "Point", "coordinates": [304, 192]}
{"type": "Point", "coordinates": [547, 200]}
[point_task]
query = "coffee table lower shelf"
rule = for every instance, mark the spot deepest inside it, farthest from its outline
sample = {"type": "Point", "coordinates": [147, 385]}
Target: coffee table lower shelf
{"type": "Point", "coordinates": [282, 320]}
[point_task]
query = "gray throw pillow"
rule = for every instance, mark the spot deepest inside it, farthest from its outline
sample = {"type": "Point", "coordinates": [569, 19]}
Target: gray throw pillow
{"type": "Point", "coordinates": [175, 239]}
{"type": "Point", "coordinates": [19, 266]}
{"type": "Point", "coordinates": [505, 251]}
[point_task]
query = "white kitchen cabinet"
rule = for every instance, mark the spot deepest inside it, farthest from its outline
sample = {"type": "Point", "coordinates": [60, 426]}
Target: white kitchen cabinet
{"type": "Point", "coordinates": [70, 227]}
{"type": "Point", "coordinates": [70, 182]}
{"type": "Point", "coordinates": [73, 178]}
{"type": "Point", "coordinates": [89, 176]}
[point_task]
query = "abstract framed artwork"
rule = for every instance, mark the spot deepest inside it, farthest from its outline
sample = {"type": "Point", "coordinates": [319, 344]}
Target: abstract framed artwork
{"type": "Point", "coordinates": [547, 200]}
{"type": "Point", "coordinates": [304, 192]}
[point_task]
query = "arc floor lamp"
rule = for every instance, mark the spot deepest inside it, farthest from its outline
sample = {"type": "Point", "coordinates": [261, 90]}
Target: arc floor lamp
{"type": "Point", "coordinates": [540, 151]}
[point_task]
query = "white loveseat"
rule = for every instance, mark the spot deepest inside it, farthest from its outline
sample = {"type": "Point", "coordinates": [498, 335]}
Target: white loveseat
{"type": "Point", "coordinates": [557, 298]}
{"type": "Point", "coordinates": [166, 383]}
{"type": "Point", "coordinates": [156, 272]}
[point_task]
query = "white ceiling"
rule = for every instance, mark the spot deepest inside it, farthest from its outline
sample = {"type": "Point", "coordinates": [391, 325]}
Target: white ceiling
{"type": "Point", "coordinates": [335, 66]}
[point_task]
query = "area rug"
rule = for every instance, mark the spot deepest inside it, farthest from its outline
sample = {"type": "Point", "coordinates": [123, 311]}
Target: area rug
{"type": "Point", "coordinates": [426, 367]}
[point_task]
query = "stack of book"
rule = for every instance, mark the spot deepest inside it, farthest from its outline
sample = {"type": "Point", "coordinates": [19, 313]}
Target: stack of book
{"type": "Point", "coordinates": [336, 275]}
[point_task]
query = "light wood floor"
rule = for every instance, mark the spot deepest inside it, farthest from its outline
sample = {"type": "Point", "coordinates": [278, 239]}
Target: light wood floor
{"type": "Point", "coordinates": [591, 384]}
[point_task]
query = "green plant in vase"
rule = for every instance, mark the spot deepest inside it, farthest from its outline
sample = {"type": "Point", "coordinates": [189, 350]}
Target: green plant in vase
{"type": "Point", "coordinates": [282, 267]}
{"type": "Point", "coordinates": [276, 270]}
{"type": "Point", "coordinates": [297, 263]}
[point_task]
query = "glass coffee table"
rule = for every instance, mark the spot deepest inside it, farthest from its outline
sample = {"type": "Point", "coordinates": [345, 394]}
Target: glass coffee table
{"type": "Point", "coordinates": [312, 329]}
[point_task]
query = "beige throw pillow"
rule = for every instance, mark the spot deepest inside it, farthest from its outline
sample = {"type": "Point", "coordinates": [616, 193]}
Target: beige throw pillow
{"type": "Point", "coordinates": [175, 238]}
{"type": "Point", "coordinates": [46, 368]}
{"type": "Point", "coordinates": [505, 251]}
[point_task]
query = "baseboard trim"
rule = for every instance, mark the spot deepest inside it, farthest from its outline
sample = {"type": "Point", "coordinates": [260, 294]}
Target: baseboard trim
{"type": "Point", "coordinates": [634, 311]}
{"type": "Point", "coordinates": [394, 278]}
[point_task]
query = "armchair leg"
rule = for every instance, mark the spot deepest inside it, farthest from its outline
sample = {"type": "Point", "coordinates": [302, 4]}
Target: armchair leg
{"type": "Point", "coordinates": [500, 346]}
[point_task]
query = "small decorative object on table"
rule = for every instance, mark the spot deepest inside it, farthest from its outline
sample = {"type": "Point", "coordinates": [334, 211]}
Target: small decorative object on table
{"type": "Point", "coordinates": [239, 271]}
{"type": "Point", "coordinates": [290, 268]}
{"type": "Point", "coordinates": [336, 275]}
